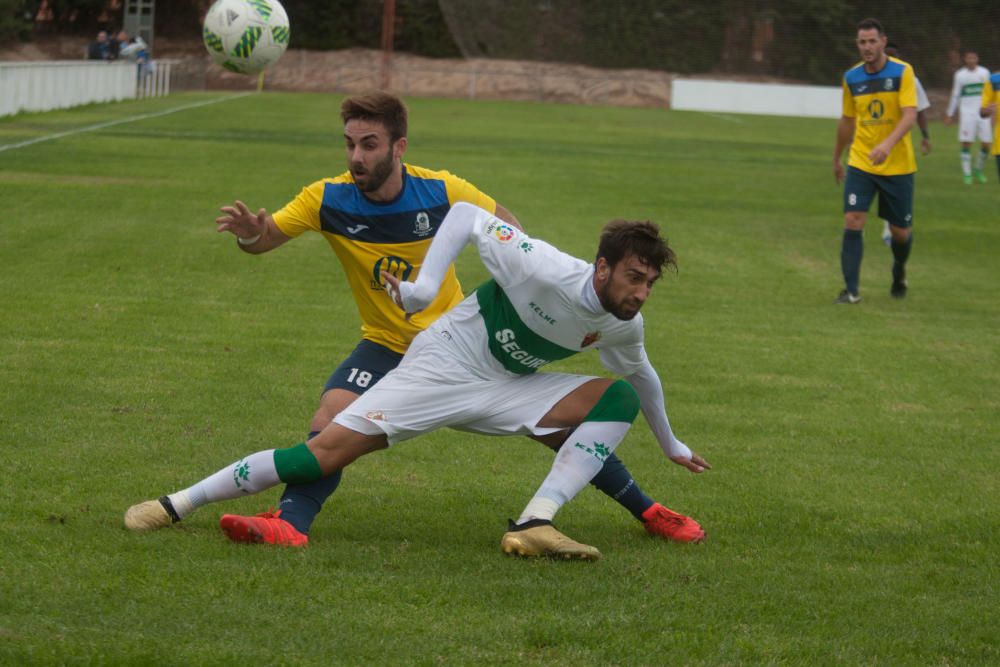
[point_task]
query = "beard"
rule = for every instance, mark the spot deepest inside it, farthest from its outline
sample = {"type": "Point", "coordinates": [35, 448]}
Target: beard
{"type": "Point", "coordinates": [621, 310]}
{"type": "Point", "coordinates": [374, 179]}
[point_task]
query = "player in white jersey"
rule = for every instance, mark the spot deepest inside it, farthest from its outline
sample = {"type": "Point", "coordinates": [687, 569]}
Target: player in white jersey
{"type": "Point", "coordinates": [966, 94]}
{"type": "Point", "coordinates": [474, 369]}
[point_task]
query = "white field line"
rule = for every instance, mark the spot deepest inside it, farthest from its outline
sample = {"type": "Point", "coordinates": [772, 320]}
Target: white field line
{"type": "Point", "coordinates": [120, 121]}
{"type": "Point", "coordinates": [728, 119]}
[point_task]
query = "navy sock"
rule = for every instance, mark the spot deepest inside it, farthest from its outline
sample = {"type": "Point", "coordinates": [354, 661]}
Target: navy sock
{"type": "Point", "coordinates": [851, 251]}
{"type": "Point", "coordinates": [615, 480]}
{"type": "Point", "coordinates": [900, 253]}
{"type": "Point", "coordinates": [300, 503]}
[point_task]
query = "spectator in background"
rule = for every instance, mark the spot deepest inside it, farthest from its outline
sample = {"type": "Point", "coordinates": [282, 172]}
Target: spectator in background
{"type": "Point", "coordinates": [99, 49]}
{"type": "Point", "coordinates": [118, 42]}
{"type": "Point", "coordinates": [137, 51]}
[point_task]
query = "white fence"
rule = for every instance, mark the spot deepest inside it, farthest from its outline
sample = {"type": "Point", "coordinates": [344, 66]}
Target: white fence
{"type": "Point", "coordinates": [756, 98]}
{"type": "Point", "coordinates": [42, 86]}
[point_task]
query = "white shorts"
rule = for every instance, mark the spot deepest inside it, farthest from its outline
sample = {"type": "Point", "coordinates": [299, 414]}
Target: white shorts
{"type": "Point", "coordinates": [971, 127]}
{"type": "Point", "coordinates": [430, 389]}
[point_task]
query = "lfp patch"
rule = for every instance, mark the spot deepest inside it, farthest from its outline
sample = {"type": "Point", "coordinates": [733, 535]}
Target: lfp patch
{"type": "Point", "coordinates": [502, 232]}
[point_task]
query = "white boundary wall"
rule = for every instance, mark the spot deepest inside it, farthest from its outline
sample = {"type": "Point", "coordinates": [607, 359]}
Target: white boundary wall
{"type": "Point", "coordinates": [756, 98]}
{"type": "Point", "coordinates": [42, 86]}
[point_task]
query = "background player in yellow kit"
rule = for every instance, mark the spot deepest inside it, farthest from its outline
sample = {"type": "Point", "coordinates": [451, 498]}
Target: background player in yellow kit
{"type": "Point", "coordinates": [988, 109]}
{"type": "Point", "coordinates": [879, 108]}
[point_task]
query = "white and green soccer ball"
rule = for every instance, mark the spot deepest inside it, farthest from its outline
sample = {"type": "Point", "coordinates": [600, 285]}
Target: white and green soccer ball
{"type": "Point", "coordinates": [246, 36]}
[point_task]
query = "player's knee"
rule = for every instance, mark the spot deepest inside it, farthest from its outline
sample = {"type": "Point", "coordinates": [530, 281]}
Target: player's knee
{"type": "Point", "coordinates": [619, 403]}
{"type": "Point", "coordinates": [855, 220]}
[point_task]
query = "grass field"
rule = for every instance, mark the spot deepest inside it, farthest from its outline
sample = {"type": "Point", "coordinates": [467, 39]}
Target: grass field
{"type": "Point", "coordinates": [852, 511]}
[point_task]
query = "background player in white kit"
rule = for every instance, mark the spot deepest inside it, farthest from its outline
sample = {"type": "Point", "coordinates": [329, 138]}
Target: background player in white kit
{"type": "Point", "coordinates": [474, 370]}
{"type": "Point", "coordinates": [966, 95]}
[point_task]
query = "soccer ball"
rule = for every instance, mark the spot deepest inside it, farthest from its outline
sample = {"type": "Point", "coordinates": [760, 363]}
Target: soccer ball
{"type": "Point", "coordinates": [246, 36]}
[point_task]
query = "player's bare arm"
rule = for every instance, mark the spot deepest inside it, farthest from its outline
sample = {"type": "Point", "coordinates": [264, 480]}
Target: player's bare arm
{"type": "Point", "coordinates": [907, 118]}
{"type": "Point", "coordinates": [255, 232]}
{"type": "Point", "coordinates": [508, 217]}
{"type": "Point", "coordinates": [923, 124]}
{"type": "Point", "coordinates": [988, 110]}
{"type": "Point", "coordinates": [845, 135]}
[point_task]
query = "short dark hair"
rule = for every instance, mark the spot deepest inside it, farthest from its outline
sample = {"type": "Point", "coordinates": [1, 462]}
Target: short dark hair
{"type": "Point", "coordinates": [871, 24]}
{"type": "Point", "coordinates": [621, 238]}
{"type": "Point", "coordinates": [380, 107]}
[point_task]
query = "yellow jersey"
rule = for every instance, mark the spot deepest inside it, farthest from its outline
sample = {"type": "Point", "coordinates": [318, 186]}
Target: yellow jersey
{"type": "Point", "coordinates": [875, 101]}
{"type": "Point", "coordinates": [370, 237]}
{"type": "Point", "coordinates": [991, 95]}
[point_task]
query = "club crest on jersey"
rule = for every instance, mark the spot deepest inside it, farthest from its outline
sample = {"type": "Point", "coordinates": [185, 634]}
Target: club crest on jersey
{"type": "Point", "coordinates": [423, 225]}
{"type": "Point", "coordinates": [500, 231]}
{"type": "Point", "coordinates": [591, 338]}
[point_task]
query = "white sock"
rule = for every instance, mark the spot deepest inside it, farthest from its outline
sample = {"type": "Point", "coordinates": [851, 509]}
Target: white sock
{"type": "Point", "coordinates": [252, 474]}
{"type": "Point", "coordinates": [966, 163]}
{"type": "Point", "coordinates": [580, 458]}
{"type": "Point", "coordinates": [980, 160]}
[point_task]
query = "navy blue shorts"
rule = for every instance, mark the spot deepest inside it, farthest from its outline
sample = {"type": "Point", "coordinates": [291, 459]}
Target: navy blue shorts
{"type": "Point", "coordinates": [366, 365]}
{"type": "Point", "coordinates": [895, 195]}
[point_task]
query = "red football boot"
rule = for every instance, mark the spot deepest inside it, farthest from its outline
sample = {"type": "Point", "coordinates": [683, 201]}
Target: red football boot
{"type": "Point", "coordinates": [658, 520]}
{"type": "Point", "coordinates": [265, 528]}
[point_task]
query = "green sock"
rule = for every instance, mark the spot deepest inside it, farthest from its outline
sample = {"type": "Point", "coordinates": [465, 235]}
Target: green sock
{"type": "Point", "coordinates": [297, 465]}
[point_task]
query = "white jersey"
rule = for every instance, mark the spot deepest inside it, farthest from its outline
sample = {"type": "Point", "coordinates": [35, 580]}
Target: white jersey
{"type": "Point", "coordinates": [480, 358]}
{"type": "Point", "coordinates": [539, 307]}
{"type": "Point", "coordinates": [967, 91]}
{"type": "Point", "coordinates": [922, 101]}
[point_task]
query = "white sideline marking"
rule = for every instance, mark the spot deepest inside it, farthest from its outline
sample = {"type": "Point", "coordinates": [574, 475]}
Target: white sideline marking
{"type": "Point", "coordinates": [731, 119]}
{"type": "Point", "coordinates": [120, 121]}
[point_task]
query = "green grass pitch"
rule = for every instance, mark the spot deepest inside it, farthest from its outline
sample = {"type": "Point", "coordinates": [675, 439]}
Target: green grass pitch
{"type": "Point", "coordinates": [852, 511]}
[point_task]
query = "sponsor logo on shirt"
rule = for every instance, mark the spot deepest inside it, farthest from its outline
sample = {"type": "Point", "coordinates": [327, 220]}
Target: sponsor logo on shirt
{"type": "Point", "coordinates": [541, 313]}
{"type": "Point", "coordinates": [507, 343]}
{"type": "Point", "coordinates": [397, 266]}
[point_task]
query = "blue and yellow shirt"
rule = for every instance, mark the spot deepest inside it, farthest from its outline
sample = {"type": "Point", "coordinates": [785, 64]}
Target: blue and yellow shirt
{"type": "Point", "coordinates": [991, 95]}
{"type": "Point", "coordinates": [371, 237]}
{"type": "Point", "coordinates": [875, 101]}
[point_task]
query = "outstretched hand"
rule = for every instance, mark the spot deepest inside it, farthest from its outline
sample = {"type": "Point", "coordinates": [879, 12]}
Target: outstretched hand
{"type": "Point", "coordinates": [694, 463]}
{"type": "Point", "coordinates": [239, 220]}
{"type": "Point", "coordinates": [392, 288]}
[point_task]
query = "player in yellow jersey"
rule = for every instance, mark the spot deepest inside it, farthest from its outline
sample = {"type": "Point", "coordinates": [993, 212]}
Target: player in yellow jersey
{"type": "Point", "coordinates": [879, 108]}
{"type": "Point", "coordinates": [988, 109]}
{"type": "Point", "coordinates": [380, 215]}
